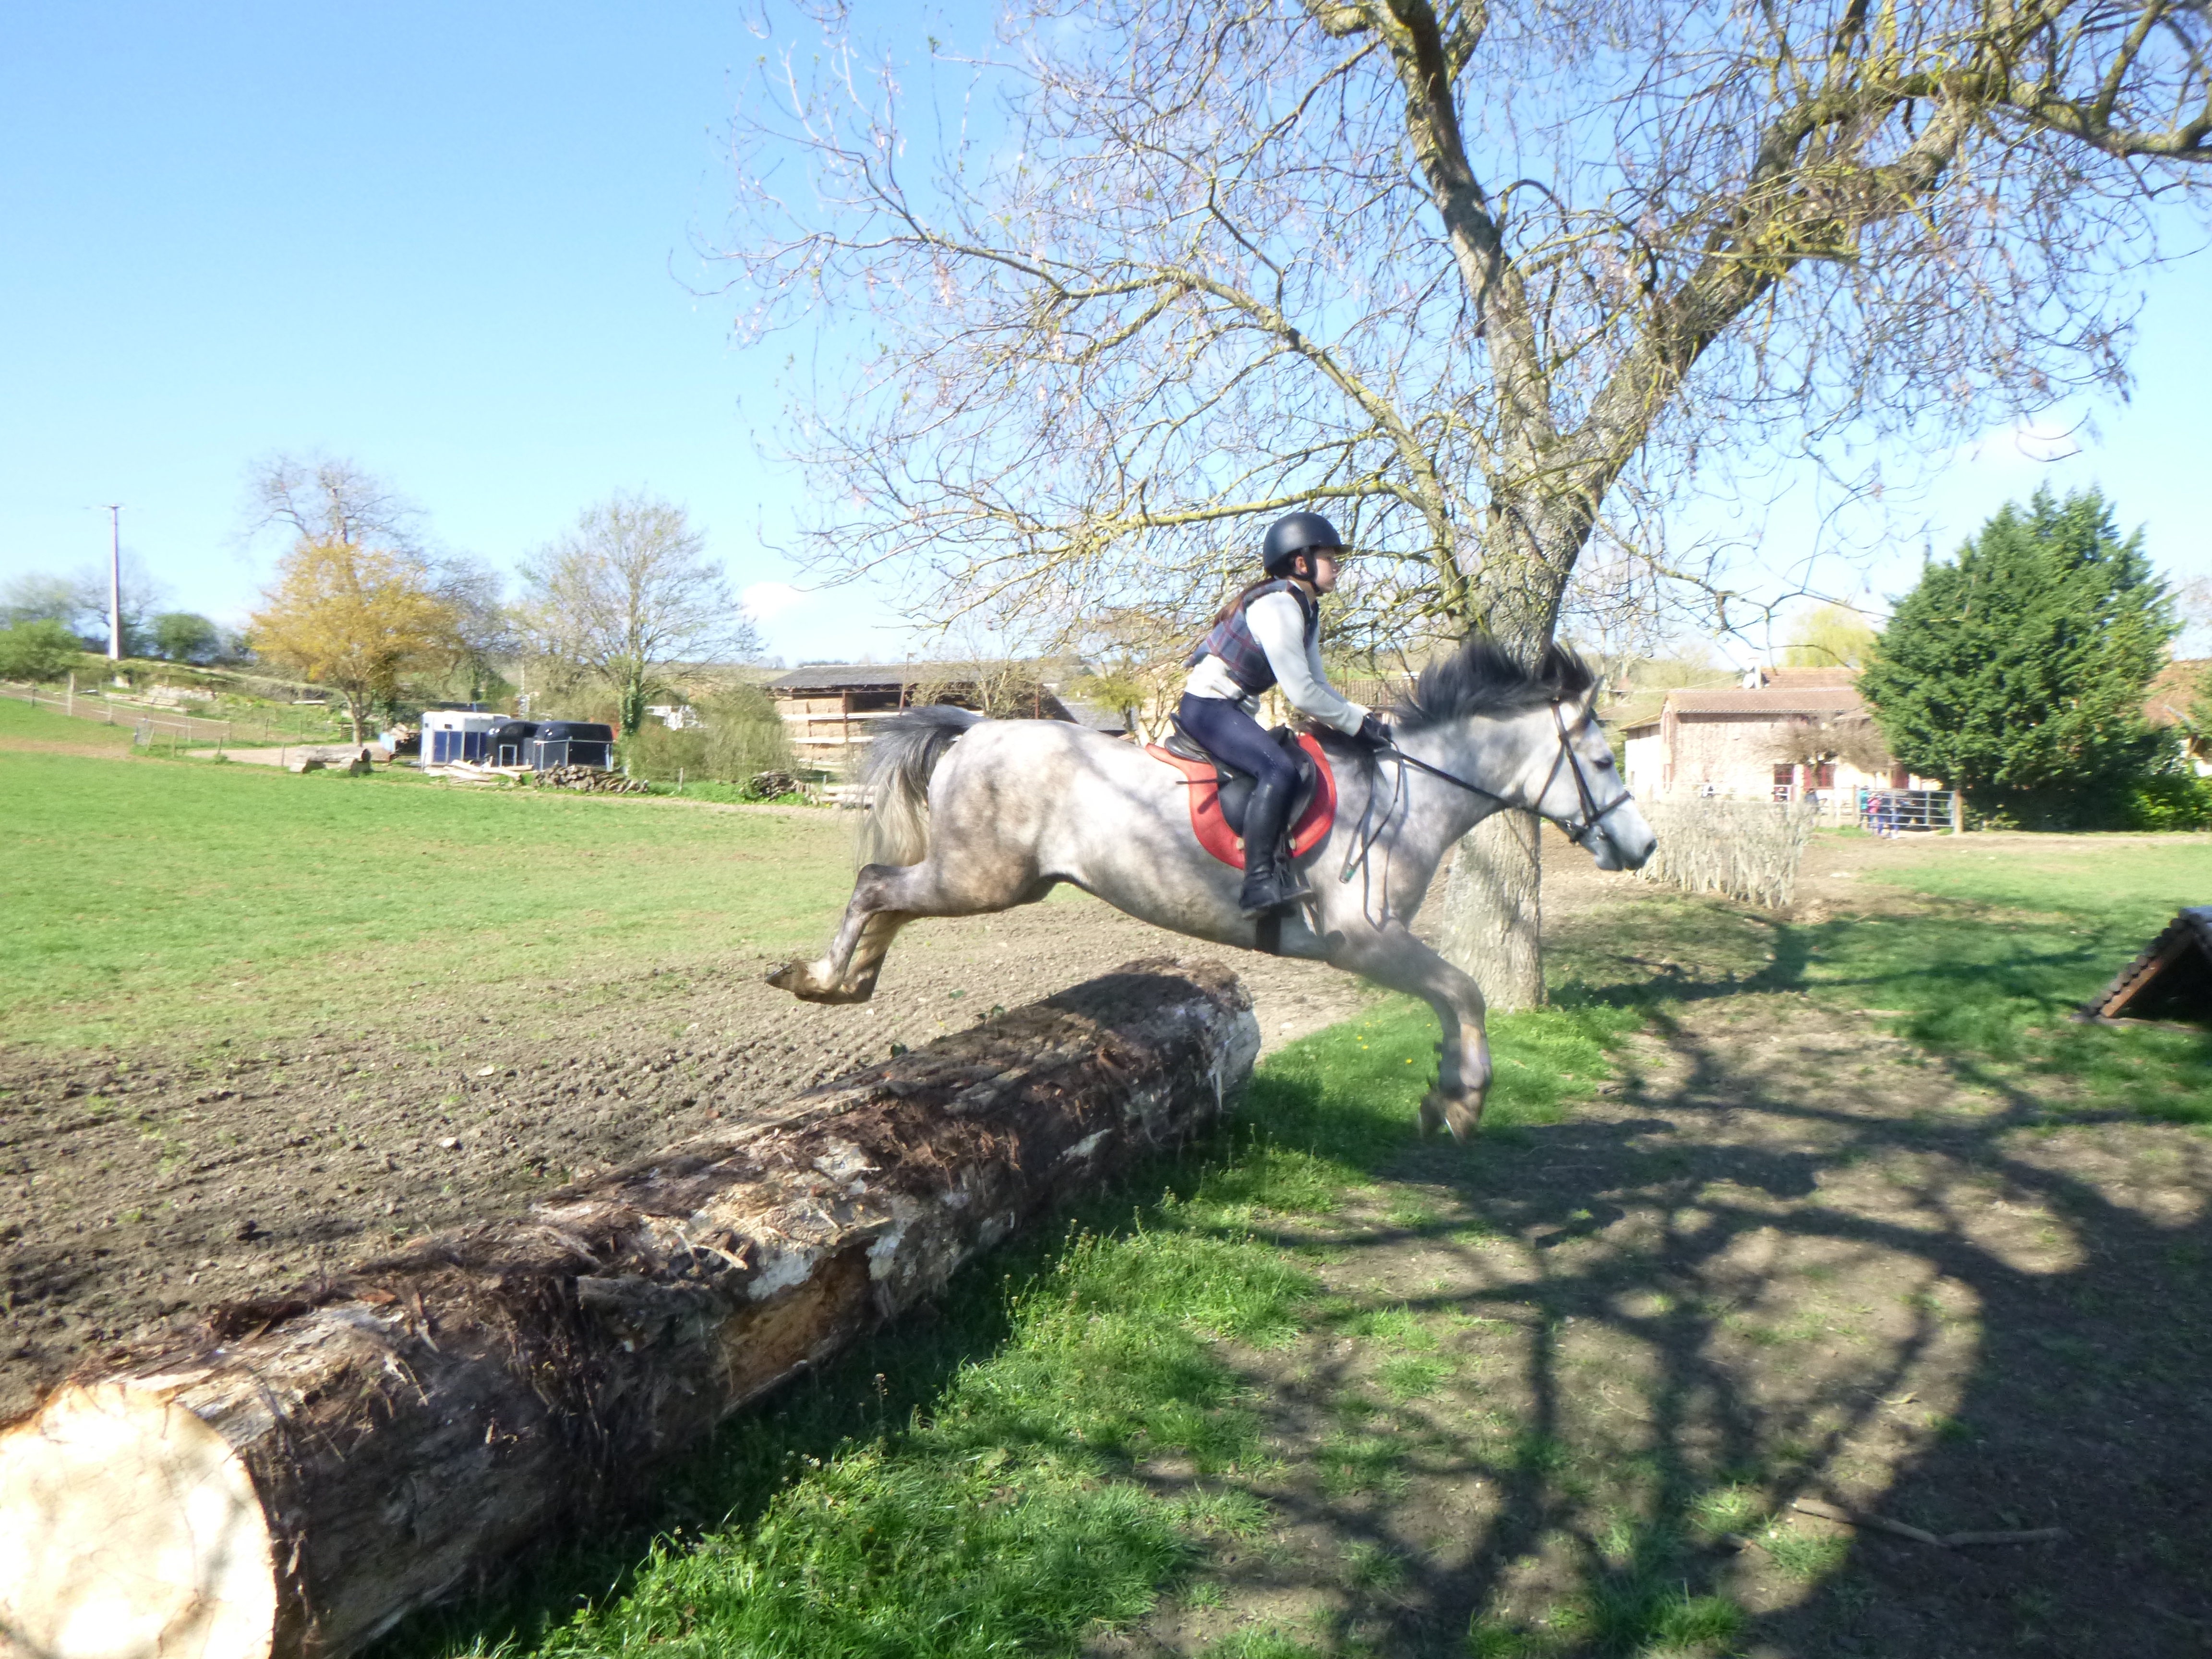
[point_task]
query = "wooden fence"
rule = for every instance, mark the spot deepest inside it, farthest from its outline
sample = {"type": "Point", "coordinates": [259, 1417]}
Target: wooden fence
{"type": "Point", "coordinates": [154, 724]}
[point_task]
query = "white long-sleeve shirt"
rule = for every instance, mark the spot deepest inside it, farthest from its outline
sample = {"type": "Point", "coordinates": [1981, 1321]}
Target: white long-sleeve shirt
{"type": "Point", "coordinates": [1280, 625]}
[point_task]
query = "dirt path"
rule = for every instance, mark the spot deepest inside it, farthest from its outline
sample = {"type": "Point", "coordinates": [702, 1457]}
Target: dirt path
{"type": "Point", "coordinates": [133, 1189]}
{"type": "Point", "coordinates": [1579, 1373]}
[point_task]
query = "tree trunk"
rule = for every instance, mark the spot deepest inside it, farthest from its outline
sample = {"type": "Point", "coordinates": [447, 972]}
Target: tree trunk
{"type": "Point", "coordinates": [1493, 920]}
{"type": "Point", "coordinates": [305, 1470]}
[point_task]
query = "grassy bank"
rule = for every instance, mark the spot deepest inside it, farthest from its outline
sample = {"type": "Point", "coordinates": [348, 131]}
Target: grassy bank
{"type": "Point", "coordinates": [146, 897]}
{"type": "Point", "coordinates": [1978, 951]}
{"type": "Point", "coordinates": [1079, 1430]}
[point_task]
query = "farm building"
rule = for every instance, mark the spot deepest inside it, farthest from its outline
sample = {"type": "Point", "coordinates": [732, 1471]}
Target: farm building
{"type": "Point", "coordinates": [831, 709]}
{"type": "Point", "coordinates": [2177, 690]}
{"type": "Point", "coordinates": [1782, 734]}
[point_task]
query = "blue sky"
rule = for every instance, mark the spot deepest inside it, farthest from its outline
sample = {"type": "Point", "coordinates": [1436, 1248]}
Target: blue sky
{"type": "Point", "coordinates": [458, 245]}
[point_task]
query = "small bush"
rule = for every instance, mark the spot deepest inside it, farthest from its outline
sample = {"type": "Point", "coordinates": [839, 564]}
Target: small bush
{"type": "Point", "coordinates": [739, 735]}
{"type": "Point", "coordinates": [1747, 850]}
{"type": "Point", "coordinates": [38, 651]}
{"type": "Point", "coordinates": [2171, 800]}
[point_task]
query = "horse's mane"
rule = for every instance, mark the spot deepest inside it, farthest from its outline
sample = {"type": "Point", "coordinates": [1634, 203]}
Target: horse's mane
{"type": "Point", "coordinates": [1481, 678]}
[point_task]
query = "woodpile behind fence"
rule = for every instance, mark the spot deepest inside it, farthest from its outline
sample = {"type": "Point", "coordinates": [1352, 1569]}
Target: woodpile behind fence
{"type": "Point", "coordinates": [1747, 850]}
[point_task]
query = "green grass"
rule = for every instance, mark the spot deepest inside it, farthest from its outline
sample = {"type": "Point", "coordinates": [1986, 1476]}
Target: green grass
{"type": "Point", "coordinates": [43, 725]}
{"type": "Point", "coordinates": [2014, 944]}
{"type": "Point", "coordinates": [1983, 975]}
{"type": "Point", "coordinates": [975, 1487]}
{"type": "Point", "coordinates": [147, 897]}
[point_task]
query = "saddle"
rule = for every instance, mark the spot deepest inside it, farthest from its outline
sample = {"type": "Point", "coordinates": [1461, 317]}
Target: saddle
{"type": "Point", "coordinates": [1220, 793]}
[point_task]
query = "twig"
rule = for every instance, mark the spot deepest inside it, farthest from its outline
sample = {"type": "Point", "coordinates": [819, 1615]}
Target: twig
{"type": "Point", "coordinates": [1945, 1542]}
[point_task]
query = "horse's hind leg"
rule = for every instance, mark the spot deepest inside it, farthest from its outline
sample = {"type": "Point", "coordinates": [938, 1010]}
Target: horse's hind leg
{"type": "Point", "coordinates": [871, 914]}
{"type": "Point", "coordinates": [885, 897]}
{"type": "Point", "coordinates": [1391, 957]}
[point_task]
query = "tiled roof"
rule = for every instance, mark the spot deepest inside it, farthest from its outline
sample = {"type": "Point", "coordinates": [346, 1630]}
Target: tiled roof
{"type": "Point", "coordinates": [1780, 700]}
{"type": "Point", "coordinates": [833, 676]}
{"type": "Point", "coordinates": [1799, 679]}
{"type": "Point", "coordinates": [2166, 702]}
{"type": "Point", "coordinates": [890, 676]}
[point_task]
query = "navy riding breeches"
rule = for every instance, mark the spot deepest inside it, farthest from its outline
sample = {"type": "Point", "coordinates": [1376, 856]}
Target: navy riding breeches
{"type": "Point", "coordinates": [1230, 734]}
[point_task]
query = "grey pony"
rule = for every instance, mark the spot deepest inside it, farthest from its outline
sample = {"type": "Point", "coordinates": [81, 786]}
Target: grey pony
{"type": "Point", "coordinates": [971, 815]}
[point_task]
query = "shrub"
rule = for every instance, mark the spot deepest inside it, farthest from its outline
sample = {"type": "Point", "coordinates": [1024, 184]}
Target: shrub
{"type": "Point", "coordinates": [2170, 800]}
{"type": "Point", "coordinates": [739, 733]}
{"type": "Point", "coordinates": [38, 651]}
{"type": "Point", "coordinates": [1747, 850]}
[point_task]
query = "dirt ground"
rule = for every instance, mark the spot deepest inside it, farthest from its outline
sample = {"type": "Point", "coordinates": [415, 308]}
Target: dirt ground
{"type": "Point", "coordinates": [1785, 1255]}
{"type": "Point", "coordinates": [135, 1189]}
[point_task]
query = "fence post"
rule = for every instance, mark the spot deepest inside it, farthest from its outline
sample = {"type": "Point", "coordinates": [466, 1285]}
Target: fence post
{"type": "Point", "coordinates": [70, 707]}
{"type": "Point", "coordinates": [1957, 813]}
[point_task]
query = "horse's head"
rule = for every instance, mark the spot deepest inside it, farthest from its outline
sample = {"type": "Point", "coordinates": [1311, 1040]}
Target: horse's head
{"type": "Point", "coordinates": [1530, 737]}
{"type": "Point", "coordinates": [1573, 781]}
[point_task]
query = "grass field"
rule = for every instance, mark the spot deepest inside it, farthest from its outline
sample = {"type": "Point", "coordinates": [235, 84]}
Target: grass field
{"type": "Point", "coordinates": [1764, 1207]}
{"type": "Point", "coordinates": [2000, 942]}
{"type": "Point", "coordinates": [148, 898]}
{"type": "Point", "coordinates": [1314, 1388]}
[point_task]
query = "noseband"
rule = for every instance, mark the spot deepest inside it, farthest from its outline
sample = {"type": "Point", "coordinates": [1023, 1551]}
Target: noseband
{"type": "Point", "coordinates": [1579, 826]}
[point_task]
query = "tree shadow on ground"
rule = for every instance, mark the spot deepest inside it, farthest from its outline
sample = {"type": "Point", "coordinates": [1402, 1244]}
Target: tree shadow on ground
{"type": "Point", "coordinates": [1784, 1263]}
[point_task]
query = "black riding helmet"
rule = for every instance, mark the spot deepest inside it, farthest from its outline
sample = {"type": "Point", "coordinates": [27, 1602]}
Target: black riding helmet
{"type": "Point", "coordinates": [1295, 533]}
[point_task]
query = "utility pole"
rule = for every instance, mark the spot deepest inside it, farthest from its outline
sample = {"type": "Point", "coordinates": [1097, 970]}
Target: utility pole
{"type": "Point", "coordinates": [115, 581]}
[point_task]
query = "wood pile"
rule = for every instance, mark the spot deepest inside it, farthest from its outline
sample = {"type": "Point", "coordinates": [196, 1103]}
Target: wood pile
{"type": "Point", "coordinates": [299, 1471]}
{"type": "Point", "coordinates": [590, 779]}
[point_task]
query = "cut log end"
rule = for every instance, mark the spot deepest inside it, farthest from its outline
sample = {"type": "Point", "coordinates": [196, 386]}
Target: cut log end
{"type": "Point", "coordinates": [128, 1529]}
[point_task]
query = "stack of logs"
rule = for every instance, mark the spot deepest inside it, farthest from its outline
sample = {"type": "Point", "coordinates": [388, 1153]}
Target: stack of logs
{"type": "Point", "coordinates": [589, 779]}
{"type": "Point", "coordinates": [298, 1473]}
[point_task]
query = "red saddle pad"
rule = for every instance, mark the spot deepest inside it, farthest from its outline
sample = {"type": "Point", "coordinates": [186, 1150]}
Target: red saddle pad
{"type": "Point", "coordinates": [1212, 830]}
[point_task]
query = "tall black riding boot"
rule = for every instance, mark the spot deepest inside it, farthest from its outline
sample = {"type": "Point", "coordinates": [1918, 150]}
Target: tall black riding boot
{"type": "Point", "coordinates": [1270, 881]}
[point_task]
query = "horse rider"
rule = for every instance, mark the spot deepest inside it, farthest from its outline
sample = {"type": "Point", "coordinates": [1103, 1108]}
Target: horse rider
{"type": "Point", "coordinates": [1270, 635]}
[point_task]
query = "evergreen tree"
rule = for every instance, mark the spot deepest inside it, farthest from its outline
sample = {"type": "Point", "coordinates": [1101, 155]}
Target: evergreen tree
{"type": "Point", "coordinates": [2017, 673]}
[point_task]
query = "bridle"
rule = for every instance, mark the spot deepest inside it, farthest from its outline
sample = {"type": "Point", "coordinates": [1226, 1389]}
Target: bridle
{"type": "Point", "coordinates": [1578, 826]}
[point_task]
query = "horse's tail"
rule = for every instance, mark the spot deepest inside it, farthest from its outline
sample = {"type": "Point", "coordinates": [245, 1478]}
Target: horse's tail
{"type": "Point", "coordinates": [905, 751]}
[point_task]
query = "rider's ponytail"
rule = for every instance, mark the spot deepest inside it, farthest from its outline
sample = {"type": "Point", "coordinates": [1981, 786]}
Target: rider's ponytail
{"type": "Point", "coordinates": [1243, 598]}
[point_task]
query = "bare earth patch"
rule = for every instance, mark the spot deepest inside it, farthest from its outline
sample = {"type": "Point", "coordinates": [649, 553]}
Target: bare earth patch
{"type": "Point", "coordinates": [135, 1188]}
{"type": "Point", "coordinates": [1571, 1378]}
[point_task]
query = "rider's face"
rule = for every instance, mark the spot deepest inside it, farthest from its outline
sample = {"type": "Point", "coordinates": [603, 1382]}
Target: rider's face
{"type": "Point", "coordinates": [1324, 573]}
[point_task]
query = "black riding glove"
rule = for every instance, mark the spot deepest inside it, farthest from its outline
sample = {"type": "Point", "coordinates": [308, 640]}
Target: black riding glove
{"type": "Point", "coordinates": [1375, 733]}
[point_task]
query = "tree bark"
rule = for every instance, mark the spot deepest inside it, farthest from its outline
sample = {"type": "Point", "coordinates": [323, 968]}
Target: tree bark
{"type": "Point", "coordinates": [1493, 921]}
{"type": "Point", "coordinates": [304, 1471]}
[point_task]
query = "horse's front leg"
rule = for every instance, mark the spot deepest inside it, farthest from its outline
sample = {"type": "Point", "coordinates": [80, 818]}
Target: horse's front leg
{"type": "Point", "coordinates": [1391, 957]}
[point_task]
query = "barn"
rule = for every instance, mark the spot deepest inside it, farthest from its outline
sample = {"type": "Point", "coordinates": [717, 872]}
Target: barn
{"type": "Point", "coordinates": [1784, 734]}
{"type": "Point", "coordinates": [831, 709]}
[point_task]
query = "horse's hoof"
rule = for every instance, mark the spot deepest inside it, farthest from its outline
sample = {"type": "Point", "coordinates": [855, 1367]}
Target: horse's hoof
{"type": "Point", "coordinates": [1454, 1116]}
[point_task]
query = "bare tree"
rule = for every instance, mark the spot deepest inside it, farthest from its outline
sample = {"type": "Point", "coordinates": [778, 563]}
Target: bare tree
{"type": "Point", "coordinates": [628, 592]}
{"type": "Point", "coordinates": [1493, 283]}
{"type": "Point", "coordinates": [329, 500]}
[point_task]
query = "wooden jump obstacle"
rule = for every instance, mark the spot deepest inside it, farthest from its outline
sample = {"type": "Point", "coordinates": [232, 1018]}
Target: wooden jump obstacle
{"type": "Point", "coordinates": [298, 1473]}
{"type": "Point", "coordinates": [2172, 980]}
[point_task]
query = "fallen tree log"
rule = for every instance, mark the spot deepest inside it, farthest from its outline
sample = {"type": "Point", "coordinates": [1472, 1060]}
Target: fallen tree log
{"type": "Point", "coordinates": [306, 1469]}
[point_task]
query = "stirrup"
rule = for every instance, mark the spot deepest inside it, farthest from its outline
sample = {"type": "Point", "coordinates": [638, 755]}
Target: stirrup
{"type": "Point", "coordinates": [1277, 890]}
